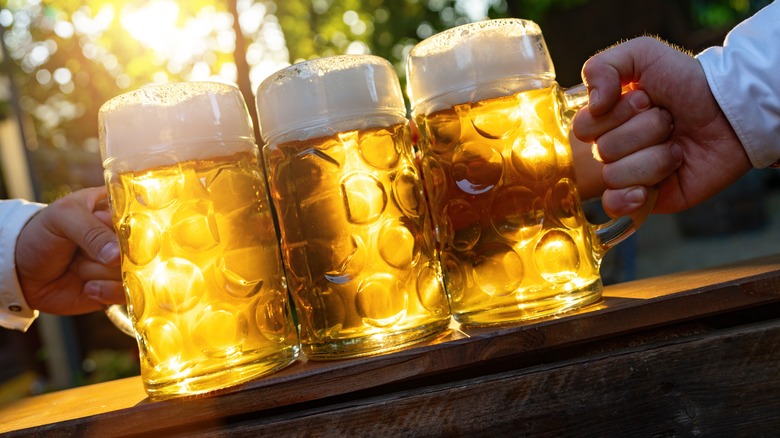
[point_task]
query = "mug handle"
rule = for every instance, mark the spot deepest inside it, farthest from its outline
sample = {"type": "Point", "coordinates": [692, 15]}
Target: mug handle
{"type": "Point", "coordinates": [617, 229]}
{"type": "Point", "coordinates": [117, 314]}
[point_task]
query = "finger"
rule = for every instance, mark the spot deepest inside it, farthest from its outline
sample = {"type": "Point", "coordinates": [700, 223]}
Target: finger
{"type": "Point", "coordinates": [603, 82]}
{"type": "Point", "coordinates": [88, 269]}
{"type": "Point", "coordinates": [105, 291]}
{"type": "Point", "coordinates": [73, 216]}
{"type": "Point", "coordinates": [647, 128]}
{"type": "Point", "coordinates": [588, 127]}
{"type": "Point", "coordinates": [103, 212]}
{"type": "Point", "coordinates": [645, 167]}
{"type": "Point", "coordinates": [607, 72]}
{"type": "Point", "coordinates": [623, 202]}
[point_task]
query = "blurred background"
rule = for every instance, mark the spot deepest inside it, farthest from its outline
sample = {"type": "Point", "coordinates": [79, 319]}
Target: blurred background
{"type": "Point", "coordinates": [61, 60]}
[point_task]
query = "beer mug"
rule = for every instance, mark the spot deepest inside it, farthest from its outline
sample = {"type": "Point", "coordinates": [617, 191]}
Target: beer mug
{"type": "Point", "coordinates": [498, 171]}
{"type": "Point", "coordinates": [354, 227]}
{"type": "Point", "coordinates": [201, 264]}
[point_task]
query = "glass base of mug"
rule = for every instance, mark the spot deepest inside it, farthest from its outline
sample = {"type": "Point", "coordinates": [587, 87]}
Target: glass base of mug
{"type": "Point", "coordinates": [532, 309]}
{"type": "Point", "coordinates": [374, 343]}
{"type": "Point", "coordinates": [224, 375]}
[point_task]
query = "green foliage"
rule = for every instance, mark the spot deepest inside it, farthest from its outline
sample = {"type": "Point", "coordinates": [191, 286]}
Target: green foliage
{"type": "Point", "coordinates": [67, 57]}
{"type": "Point", "coordinates": [724, 13]}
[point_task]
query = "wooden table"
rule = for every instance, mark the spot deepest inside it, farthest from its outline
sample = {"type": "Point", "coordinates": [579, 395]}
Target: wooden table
{"type": "Point", "coordinates": [689, 354]}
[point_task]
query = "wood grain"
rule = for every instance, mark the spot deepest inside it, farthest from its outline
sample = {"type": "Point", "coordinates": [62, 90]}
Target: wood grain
{"type": "Point", "coordinates": [645, 306]}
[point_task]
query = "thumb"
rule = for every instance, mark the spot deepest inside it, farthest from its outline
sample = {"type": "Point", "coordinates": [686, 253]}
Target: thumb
{"type": "Point", "coordinates": [77, 217]}
{"type": "Point", "coordinates": [624, 202]}
{"type": "Point", "coordinates": [606, 73]}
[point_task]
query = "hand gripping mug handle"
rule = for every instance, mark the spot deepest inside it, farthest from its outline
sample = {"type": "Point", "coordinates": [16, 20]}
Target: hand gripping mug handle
{"type": "Point", "coordinates": [617, 229]}
{"type": "Point", "coordinates": [117, 314]}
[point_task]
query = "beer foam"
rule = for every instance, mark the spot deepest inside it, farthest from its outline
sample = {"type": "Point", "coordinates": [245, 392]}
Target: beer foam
{"type": "Point", "coordinates": [498, 56]}
{"type": "Point", "coordinates": [163, 124]}
{"type": "Point", "coordinates": [326, 95]}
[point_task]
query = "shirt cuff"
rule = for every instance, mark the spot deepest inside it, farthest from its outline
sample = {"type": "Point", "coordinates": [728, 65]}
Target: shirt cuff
{"type": "Point", "coordinates": [15, 313]}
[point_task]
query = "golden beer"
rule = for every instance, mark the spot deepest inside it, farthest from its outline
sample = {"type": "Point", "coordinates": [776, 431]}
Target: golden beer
{"type": "Point", "coordinates": [498, 169]}
{"type": "Point", "coordinates": [501, 182]}
{"type": "Point", "coordinates": [356, 232]}
{"type": "Point", "coordinates": [201, 264]}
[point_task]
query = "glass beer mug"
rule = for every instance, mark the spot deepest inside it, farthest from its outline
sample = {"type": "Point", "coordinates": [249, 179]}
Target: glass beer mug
{"type": "Point", "coordinates": [201, 264]}
{"type": "Point", "coordinates": [498, 171]}
{"type": "Point", "coordinates": [354, 226]}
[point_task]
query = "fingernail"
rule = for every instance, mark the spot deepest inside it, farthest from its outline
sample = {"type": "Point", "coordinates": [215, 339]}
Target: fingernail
{"type": "Point", "coordinates": [635, 196]}
{"type": "Point", "coordinates": [92, 290]}
{"type": "Point", "coordinates": [109, 253]}
{"type": "Point", "coordinates": [593, 97]}
{"type": "Point", "coordinates": [639, 100]}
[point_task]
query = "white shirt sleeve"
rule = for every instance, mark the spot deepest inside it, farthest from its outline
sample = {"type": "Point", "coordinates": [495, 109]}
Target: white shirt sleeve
{"type": "Point", "coordinates": [14, 311]}
{"type": "Point", "coordinates": [744, 76]}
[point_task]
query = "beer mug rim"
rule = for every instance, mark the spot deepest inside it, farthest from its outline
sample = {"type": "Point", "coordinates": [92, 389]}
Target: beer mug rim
{"type": "Point", "coordinates": [355, 87]}
{"type": "Point", "coordinates": [454, 64]}
{"type": "Point", "coordinates": [515, 27]}
{"type": "Point", "coordinates": [151, 121]}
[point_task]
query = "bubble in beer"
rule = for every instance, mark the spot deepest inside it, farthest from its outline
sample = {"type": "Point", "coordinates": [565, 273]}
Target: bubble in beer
{"type": "Point", "coordinates": [494, 119]}
{"type": "Point", "coordinates": [279, 174]}
{"type": "Point", "coordinates": [429, 288]}
{"type": "Point", "coordinates": [407, 193]}
{"type": "Point", "coordinates": [238, 271]}
{"type": "Point", "coordinates": [563, 205]}
{"type": "Point", "coordinates": [194, 226]}
{"type": "Point", "coordinates": [298, 267]}
{"type": "Point", "coordinates": [444, 132]}
{"type": "Point", "coordinates": [517, 213]}
{"type": "Point", "coordinates": [375, 151]}
{"type": "Point", "coordinates": [534, 156]}
{"type": "Point", "coordinates": [463, 224]}
{"type": "Point", "coordinates": [134, 292]}
{"type": "Point", "coordinates": [316, 167]}
{"type": "Point", "coordinates": [498, 269]}
{"type": "Point", "coordinates": [271, 318]}
{"type": "Point", "coordinates": [435, 178]}
{"type": "Point", "coordinates": [398, 245]}
{"type": "Point", "coordinates": [431, 234]}
{"type": "Point", "coordinates": [232, 188]}
{"type": "Point", "coordinates": [345, 258]}
{"type": "Point", "coordinates": [364, 196]}
{"type": "Point", "coordinates": [219, 330]}
{"type": "Point", "coordinates": [161, 342]}
{"type": "Point", "coordinates": [323, 310]}
{"type": "Point", "coordinates": [476, 167]}
{"type": "Point", "coordinates": [158, 191]}
{"type": "Point", "coordinates": [454, 276]}
{"type": "Point", "coordinates": [335, 308]}
{"type": "Point", "coordinates": [177, 285]}
{"type": "Point", "coordinates": [556, 257]}
{"type": "Point", "coordinates": [117, 196]}
{"type": "Point", "coordinates": [142, 235]}
{"type": "Point", "coordinates": [381, 300]}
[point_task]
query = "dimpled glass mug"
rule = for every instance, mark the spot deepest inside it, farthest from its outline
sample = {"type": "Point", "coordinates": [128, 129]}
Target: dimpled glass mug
{"type": "Point", "coordinates": [356, 235]}
{"type": "Point", "coordinates": [498, 171]}
{"type": "Point", "coordinates": [201, 264]}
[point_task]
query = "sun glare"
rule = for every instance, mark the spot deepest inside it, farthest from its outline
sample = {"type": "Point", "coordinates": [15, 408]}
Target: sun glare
{"type": "Point", "coordinates": [154, 25]}
{"type": "Point", "coordinates": [182, 42]}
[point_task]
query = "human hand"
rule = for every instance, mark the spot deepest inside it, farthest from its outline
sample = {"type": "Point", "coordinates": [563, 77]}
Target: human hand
{"type": "Point", "coordinates": [700, 157]}
{"type": "Point", "coordinates": [589, 169]}
{"type": "Point", "coordinates": [67, 256]}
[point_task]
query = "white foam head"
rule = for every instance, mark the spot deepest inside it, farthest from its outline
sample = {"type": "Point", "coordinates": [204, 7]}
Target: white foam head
{"type": "Point", "coordinates": [477, 61]}
{"type": "Point", "coordinates": [328, 95]}
{"type": "Point", "coordinates": [164, 124]}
